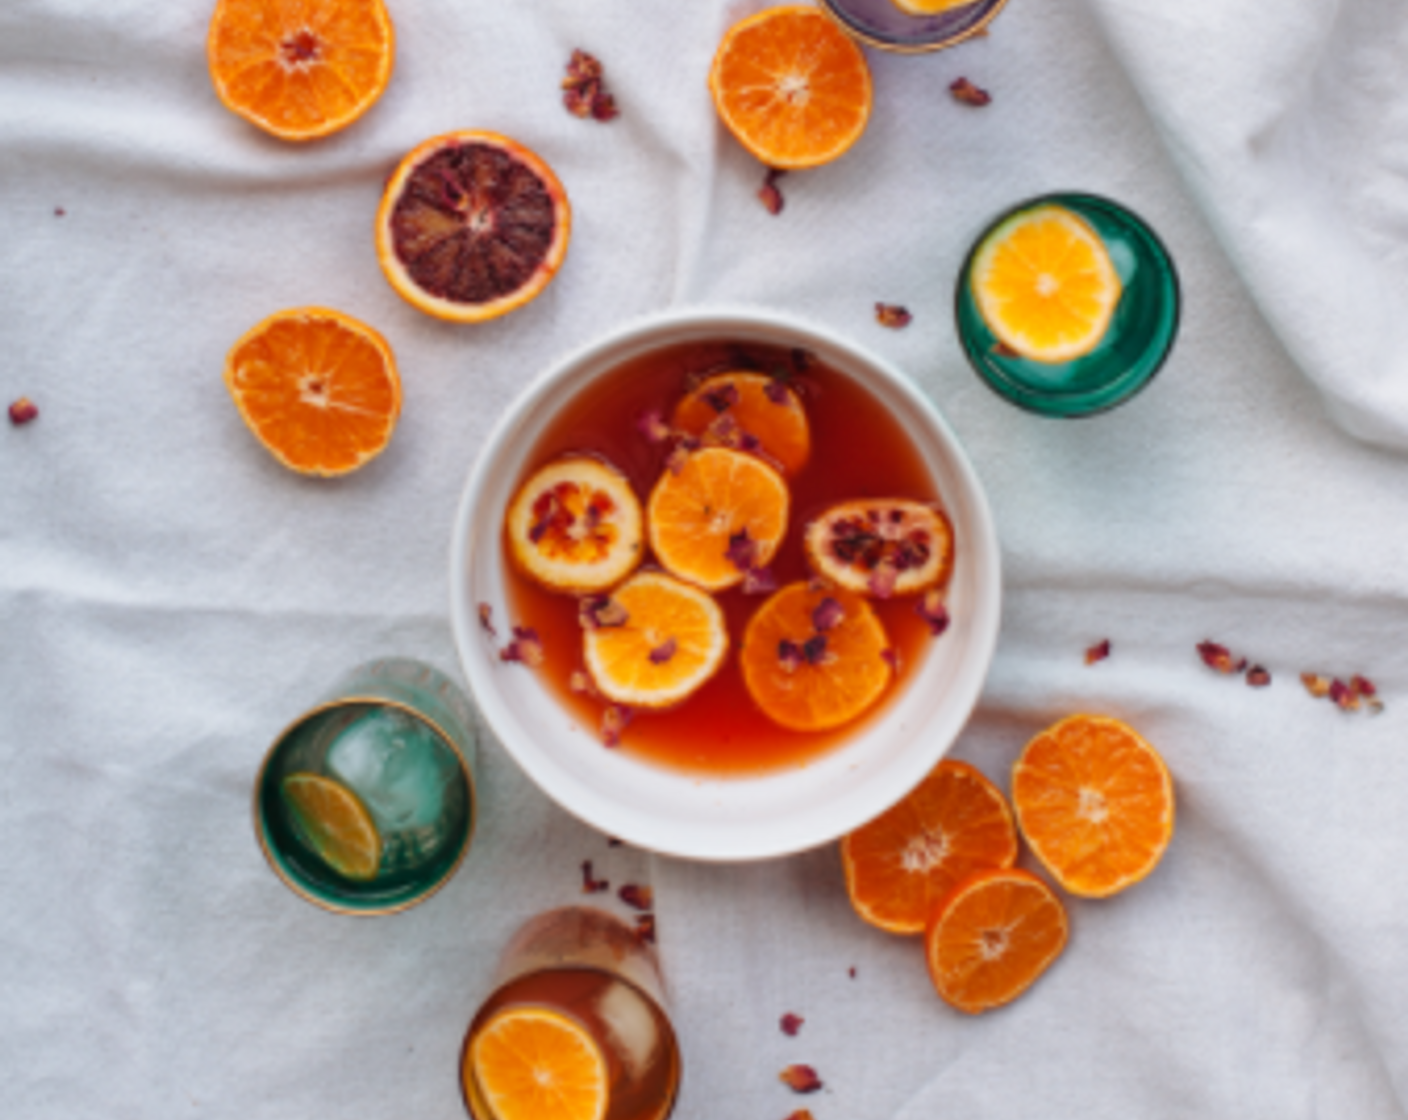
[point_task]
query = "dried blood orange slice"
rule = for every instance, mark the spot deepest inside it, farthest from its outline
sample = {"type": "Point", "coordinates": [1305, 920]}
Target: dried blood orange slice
{"type": "Point", "coordinates": [719, 516]}
{"type": "Point", "coordinates": [317, 388]}
{"type": "Point", "coordinates": [1095, 802]}
{"type": "Point", "coordinates": [472, 225]}
{"type": "Point", "coordinates": [750, 412]}
{"type": "Point", "coordinates": [665, 640]}
{"type": "Point", "coordinates": [814, 658]}
{"type": "Point", "coordinates": [296, 69]}
{"type": "Point", "coordinates": [575, 525]}
{"type": "Point", "coordinates": [881, 546]}
{"type": "Point", "coordinates": [996, 934]}
{"type": "Point", "coordinates": [910, 858]}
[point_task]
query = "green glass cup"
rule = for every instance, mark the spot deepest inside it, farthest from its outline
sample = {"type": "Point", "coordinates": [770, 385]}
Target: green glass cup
{"type": "Point", "coordinates": [392, 745]}
{"type": "Point", "coordinates": [1133, 349]}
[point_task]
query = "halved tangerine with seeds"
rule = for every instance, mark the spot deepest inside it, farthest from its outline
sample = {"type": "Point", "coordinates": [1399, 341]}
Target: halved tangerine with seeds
{"type": "Point", "coordinates": [993, 937]}
{"type": "Point", "coordinates": [737, 409]}
{"type": "Point", "coordinates": [300, 70]}
{"type": "Point", "coordinates": [881, 546]}
{"type": "Point", "coordinates": [532, 1063]}
{"type": "Point", "coordinates": [814, 658]}
{"type": "Point", "coordinates": [334, 823]}
{"type": "Point", "coordinates": [720, 515]}
{"type": "Point", "coordinates": [575, 525]}
{"type": "Point", "coordinates": [317, 388]}
{"type": "Point", "coordinates": [472, 225]}
{"type": "Point", "coordinates": [911, 857]}
{"type": "Point", "coordinates": [1095, 802]}
{"type": "Point", "coordinates": [668, 640]}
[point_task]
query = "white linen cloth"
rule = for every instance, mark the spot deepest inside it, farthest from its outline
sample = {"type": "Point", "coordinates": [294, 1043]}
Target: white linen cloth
{"type": "Point", "coordinates": [170, 597]}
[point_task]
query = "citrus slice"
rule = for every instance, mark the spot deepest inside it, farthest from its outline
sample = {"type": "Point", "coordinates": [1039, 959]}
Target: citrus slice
{"type": "Point", "coordinates": [317, 388]}
{"type": "Point", "coordinates": [673, 639]}
{"type": "Point", "coordinates": [1095, 802]}
{"type": "Point", "coordinates": [730, 408]}
{"type": "Point", "coordinates": [881, 546]}
{"type": "Point", "coordinates": [297, 69]}
{"type": "Point", "coordinates": [472, 225]}
{"type": "Point", "coordinates": [720, 515]}
{"type": "Point", "coordinates": [791, 86]}
{"type": "Point", "coordinates": [335, 823]}
{"type": "Point", "coordinates": [910, 858]}
{"type": "Point", "coordinates": [1045, 284]}
{"type": "Point", "coordinates": [575, 525]}
{"type": "Point", "coordinates": [995, 935]}
{"type": "Point", "coordinates": [929, 7]}
{"type": "Point", "coordinates": [534, 1064]}
{"type": "Point", "coordinates": [814, 658]}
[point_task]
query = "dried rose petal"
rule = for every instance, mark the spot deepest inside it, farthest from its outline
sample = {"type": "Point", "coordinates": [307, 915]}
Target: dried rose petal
{"type": "Point", "coordinates": [59, 211]}
{"type": "Point", "coordinates": [613, 842]}
{"type": "Point", "coordinates": [814, 649]}
{"type": "Point", "coordinates": [581, 683]}
{"type": "Point", "coordinates": [742, 551]}
{"type": "Point", "coordinates": [1217, 657]}
{"type": "Point", "coordinates": [1343, 696]}
{"type": "Point", "coordinates": [759, 581]}
{"type": "Point", "coordinates": [581, 68]}
{"type": "Point", "coordinates": [932, 610]}
{"type": "Point", "coordinates": [596, 612]}
{"type": "Point", "coordinates": [748, 442]}
{"type": "Point", "coordinates": [678, 457]}
{"type": "Point", "coordinates": [723, 398]}
{"type": "Point", "coordinates": [585, 90]}
{"type": "Point", "coordinates": [791, 1024]}
{"type": "Point", "coordinates": [579, 101]}
{"type": "Point", "coordinates": [789, 655]}
{"type": "Point", "coordinates": [591, 884]}
{"type": "Point", "coordinates": [613, 722]}
{"type": "Point", "coordinates": [802, 359]}
{"type": "Point", "coordinates": [1258, 677]}
{"type": "Point", "coordinates": [1315, 684]}
{"type": "Point", "coordinates": [651, 424]}
{"type": "Point", "coordinates": [1363, 685]}
{"type": "Point", "coordinates": [645, 929]}
{"type": "Point", "coordinates": [851, 972]}
{"type": "Point", "coordinates": [828, 615]}
{"type": "Point", "coordinates": [965, 91]}
{"type": "Point", "coordinates": [892, 315]}
{"type": "Point", "coordinates": [604, 106]}
{"type": "Point", "coordinates": [776, 391]}
{"type": "Point", "coordinates": [526, 648]}
{"type": "Point", "coordinates": [883, 578]}
{"type": "Point", "coordinates": [23, 411]}
{"type": "Point", "coordinates": [891, 657]}
{"type": "Point", "coordinates": [769, 194]}
{"type": "Point", "coordinates": [486, 620]}
{"type": "Point", "coordinates": [664, 651]}
{"type": "Point", "coordinates": [800, 1079]}
{"type": "Point", "coordinates": [641, 898]}
{"type": "Point", "coordinates": [1097, 652]}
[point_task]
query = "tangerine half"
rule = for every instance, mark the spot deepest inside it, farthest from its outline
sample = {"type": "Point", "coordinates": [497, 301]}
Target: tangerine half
{"type": "Point", "coordinates": [813, 658]}
{"type": "Point", "coordinates": [531, 1063]}
{"type": "Point", "coordinates": [471, 226]}
{"type": "Point", "coordinates": [756, 405]}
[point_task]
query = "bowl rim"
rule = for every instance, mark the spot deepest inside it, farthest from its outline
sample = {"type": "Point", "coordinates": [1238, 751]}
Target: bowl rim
{"type": "Point", "coordinates": [725, 319]}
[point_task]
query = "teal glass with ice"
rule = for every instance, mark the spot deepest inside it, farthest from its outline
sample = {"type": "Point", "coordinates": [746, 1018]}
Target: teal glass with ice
{"type": "Point", "coordinates": [395, 738]}
{"type": "Point", "coordinates": [1136, 344]}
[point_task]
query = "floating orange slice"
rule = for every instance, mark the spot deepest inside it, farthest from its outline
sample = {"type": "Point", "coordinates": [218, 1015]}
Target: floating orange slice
{"type": "Point", "coordinates": [531, 1063]}
{"type": "Point", "coordinates": [728, 409]}
{"type": "Point", "coordinates": [471, 226]}
{"type": "Point", "coordinates": [791, 86]}
{"type": "Point", "coordinates": [996, 934]}
{"type": "Point", "coordinates": [317, 388]}
{"type": "Point", "coordinates": [814, 658]}
{"type": "Point", "coordinates": [719, 515]}
{"type": "Point", "coordinates": [929, 7]}
{"type": "Point", "coordinates": [300, 69]}
{"type": "Point", "coordinates": [335, 824]}
{"type": "Point", "coordinates": [575, 525]}
{"type": "Point", "coordinates": [881, 546]}
{"type": "Point", "coordinates": [1095, 802]}
{"type": "Point", "coordinates": [666, 640]}
{"type": "Point", "coordinates": [1045, 284]}
{"type": "Point", "coordinates": [910, 858]}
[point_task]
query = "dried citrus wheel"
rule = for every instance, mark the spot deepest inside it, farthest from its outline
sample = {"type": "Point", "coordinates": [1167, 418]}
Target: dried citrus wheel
{"type": "Point", "coordinates": [993, 937]}
{"type": "Point", "coordinates": [472, 225]}
{"type": "Point", "coordinates": [300, 68]}
{"type": "Point", "coordinates": [534, 1064]}
{"type": "Point", "coordinates": [317, 388]}
{"type": "Point", "coordinates": [1095, 802]}
{"type": "Point", "coordinates": [733, 409]}
{"type": "Point", "coordinates": [575, 525]}
{"type": "Point", "coordinates": [814, 658]}
{"type": "Point", "coordinates": [1045, 284]}
{"type": "Point", "coordinates": [666, 639]}
{"type": "Point", "coordinates": [881, 546]}
{"type": "Point", "coordinates": [791, 86]}
{"type": "Point", "coordinates": [335, 823]}
{"type": "Point", "coordinates": [910, 858]}
{"type": "Point", "coordinates": [720, 515]}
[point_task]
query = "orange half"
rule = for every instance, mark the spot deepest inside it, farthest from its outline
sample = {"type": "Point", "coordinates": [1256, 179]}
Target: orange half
{"type": "Point", "coordinates": [531, 1063]}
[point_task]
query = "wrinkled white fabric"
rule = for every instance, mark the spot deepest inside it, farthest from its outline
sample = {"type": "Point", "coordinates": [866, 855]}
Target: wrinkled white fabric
{"type": "Point", "coordinates": [170, 597]}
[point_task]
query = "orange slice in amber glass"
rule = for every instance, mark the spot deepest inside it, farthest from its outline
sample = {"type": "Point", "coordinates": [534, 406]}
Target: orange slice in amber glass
{"type": "Point", "coordinates": [300, 69]}
{"type": "Point", "coordinates": [1095, 802]}
{"type": "Point", "coordinates": [737, 409]}
{"type": "Point", "coordinates": [317, 388]}
{"type": "Point", "coordinates": [530, 1063]}
{"type": "Point", "coordinates": [791, 86]}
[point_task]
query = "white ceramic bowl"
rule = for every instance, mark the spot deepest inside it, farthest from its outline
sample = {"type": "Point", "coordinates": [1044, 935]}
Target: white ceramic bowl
{"type": "Point", "coordinates": [728, 818]}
